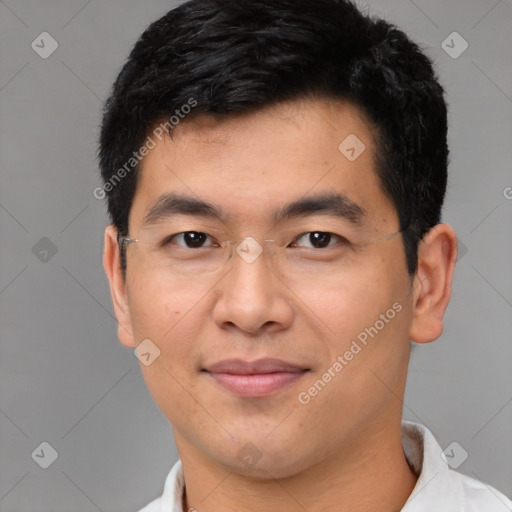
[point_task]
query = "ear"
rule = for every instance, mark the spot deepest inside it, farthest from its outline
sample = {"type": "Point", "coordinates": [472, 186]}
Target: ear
{"type": "Point", "coordinates": [112, 265]}
{"type": "Point", "coordinates": [437, 255]}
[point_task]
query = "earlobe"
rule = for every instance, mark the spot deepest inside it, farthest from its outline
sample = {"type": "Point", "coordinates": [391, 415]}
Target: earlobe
{"type": "Point", "coordinates": [111, 264]}
{"type": "Point", "coordinates": [437, 255]}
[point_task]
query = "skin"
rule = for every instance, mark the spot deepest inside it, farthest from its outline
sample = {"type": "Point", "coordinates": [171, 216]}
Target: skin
{"type": "Point", "coordinates": [324, 455]}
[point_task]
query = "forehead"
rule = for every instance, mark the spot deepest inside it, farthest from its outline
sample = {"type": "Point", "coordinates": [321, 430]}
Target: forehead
{"type": "Point", "coordinates": [251, 165]}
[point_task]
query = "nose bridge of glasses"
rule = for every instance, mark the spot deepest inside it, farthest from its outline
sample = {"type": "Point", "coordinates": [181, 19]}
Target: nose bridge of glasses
{"type": "Point", "coordinates": [249, 249]}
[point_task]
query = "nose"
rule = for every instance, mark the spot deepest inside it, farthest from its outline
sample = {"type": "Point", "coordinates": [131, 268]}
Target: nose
{"type": "Point", "coordinates": [252, 298]}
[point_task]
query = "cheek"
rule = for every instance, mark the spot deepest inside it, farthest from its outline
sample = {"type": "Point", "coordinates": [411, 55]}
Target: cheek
{"type": "Point", "coordinates": [171, 320]}
{"type": "Point", "coordinates": [158, 306]}
{"type": "Point", "coordinates": [354, 302]}
{"type": "Point", "coordinates": [367, 316]}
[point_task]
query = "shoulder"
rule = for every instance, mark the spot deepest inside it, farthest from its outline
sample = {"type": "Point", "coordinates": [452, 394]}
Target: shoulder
{"type": "Point", "coordinates": [480, 497]}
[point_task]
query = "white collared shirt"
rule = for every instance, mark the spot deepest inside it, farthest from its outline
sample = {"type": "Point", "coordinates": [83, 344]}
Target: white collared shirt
{"type": "Point", "coordinates": [438, 489]}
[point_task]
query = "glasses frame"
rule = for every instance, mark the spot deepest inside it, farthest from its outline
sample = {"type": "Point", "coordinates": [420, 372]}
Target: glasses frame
{"type": "Point", "coordinates": [125, 240]}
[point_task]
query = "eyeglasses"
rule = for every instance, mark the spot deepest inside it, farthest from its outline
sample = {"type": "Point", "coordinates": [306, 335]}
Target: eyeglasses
{"type": "Point", "coordinates": [177, 255]}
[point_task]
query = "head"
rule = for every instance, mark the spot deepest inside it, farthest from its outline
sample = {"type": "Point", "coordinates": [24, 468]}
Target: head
{"type": "Point", "coordinates": [260, 119]}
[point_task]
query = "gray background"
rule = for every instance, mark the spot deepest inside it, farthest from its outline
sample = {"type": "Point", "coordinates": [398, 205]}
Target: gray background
{"type": "Point", "coordinates": [66, 380]}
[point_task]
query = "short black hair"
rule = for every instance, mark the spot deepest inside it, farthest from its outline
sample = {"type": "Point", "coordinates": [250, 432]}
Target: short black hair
{"type": "Point", "coordinates": [232, 56]}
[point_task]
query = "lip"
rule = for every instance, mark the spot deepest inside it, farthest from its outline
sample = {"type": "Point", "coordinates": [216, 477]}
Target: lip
{"type": "Point", "coordinates": [255, 378]}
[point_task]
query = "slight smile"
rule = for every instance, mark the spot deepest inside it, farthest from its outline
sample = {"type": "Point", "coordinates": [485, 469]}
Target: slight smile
{"type": "Point", "coordinates": [254, 379]}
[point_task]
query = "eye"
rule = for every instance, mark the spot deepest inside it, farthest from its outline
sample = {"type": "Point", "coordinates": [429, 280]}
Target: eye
{"type": "Point", "coordinates": [319, 239]}
{"type": "Point", "coordinates": [188, 239]}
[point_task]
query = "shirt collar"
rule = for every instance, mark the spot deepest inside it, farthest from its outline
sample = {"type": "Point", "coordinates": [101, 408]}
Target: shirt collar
{"type": "Point", "coordinates": [172, 497]}
{"type": "Point", "coordinates": [437, 483]}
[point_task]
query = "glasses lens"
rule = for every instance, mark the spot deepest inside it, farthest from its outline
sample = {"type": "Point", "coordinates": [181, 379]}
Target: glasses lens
{"type": "Point", "coordinates": [320, 255]}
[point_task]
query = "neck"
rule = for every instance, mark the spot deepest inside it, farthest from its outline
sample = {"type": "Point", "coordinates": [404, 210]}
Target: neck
{"type": "Point", "coordinates": [372, 473]}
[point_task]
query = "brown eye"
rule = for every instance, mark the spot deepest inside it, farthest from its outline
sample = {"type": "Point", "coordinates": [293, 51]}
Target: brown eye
{"type": "Point", "coordinates": [318, 239]}
{"type": "Point", "coordinates": [188, 239]}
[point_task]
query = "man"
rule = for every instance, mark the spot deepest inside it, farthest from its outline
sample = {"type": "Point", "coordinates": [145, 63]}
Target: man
{"type": "Point", "coordinates": [275, 173]}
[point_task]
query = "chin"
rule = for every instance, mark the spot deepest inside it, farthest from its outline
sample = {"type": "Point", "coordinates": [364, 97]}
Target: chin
{"type": "Point", "coordinates": [262, 459]}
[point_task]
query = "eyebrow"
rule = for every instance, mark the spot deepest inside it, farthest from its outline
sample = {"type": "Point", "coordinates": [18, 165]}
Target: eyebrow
{"type": "Point", "coordinates": [331, 204]}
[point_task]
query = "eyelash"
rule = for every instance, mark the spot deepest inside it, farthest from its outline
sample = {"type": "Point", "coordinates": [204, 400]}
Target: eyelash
{"type": "Point", "coordinates": [341, 239]}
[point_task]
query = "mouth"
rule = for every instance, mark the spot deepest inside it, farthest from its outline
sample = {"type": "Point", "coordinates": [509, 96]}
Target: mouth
{"type": "Point", "coordinates": [254, 379]}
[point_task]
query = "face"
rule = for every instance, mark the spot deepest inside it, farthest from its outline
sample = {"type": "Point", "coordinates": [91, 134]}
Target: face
{"type": "Point", "coordinates": [287, 357]}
